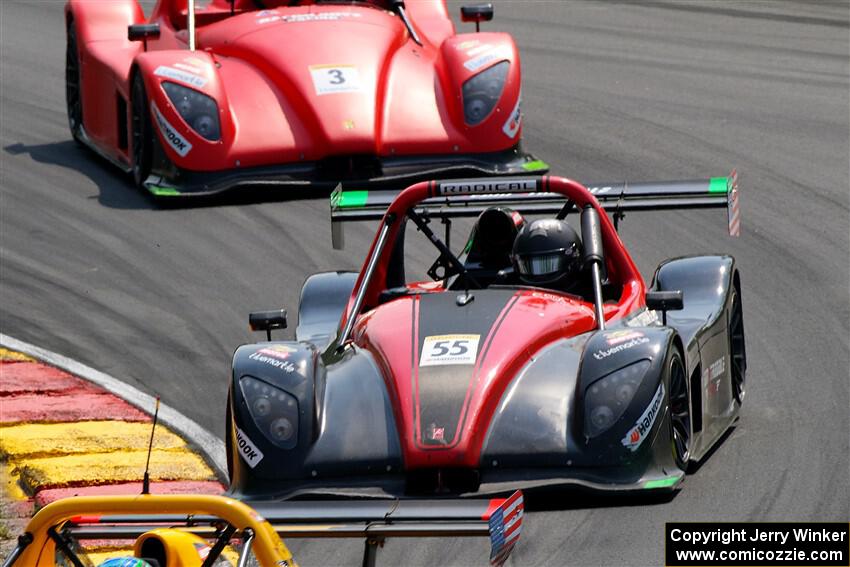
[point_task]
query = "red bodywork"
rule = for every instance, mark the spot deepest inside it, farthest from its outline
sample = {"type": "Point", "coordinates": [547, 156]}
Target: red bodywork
{"type": "Point", "coordinates": [264, 70]}
{"type": "Point", "coordinates": [531, 320]}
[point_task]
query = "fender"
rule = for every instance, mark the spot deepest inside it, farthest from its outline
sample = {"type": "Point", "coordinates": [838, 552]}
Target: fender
{"type": "Point", "coordinates": [194, 70]}
{"type": "Point", "coordinates": [323, 298]}
{"type": "Point", "coordinates": [279, 372]}
{"type": "Point", "coordinates": [467, 55]}
{"type": "Point", "coordinates": [544, 407]}
{"type": "Point", "coordinates": [105, 59]}
{"type": "Point", "coordinates": [705, 282]}
{"type": "Point", "coordinates": [359, 439]}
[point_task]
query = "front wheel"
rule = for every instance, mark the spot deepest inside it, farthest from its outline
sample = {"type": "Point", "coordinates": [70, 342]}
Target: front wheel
{"type": "Point", "coordinates": [73, 94]}
{"type": "Point", "coordinates": [142, 135]}
{"type": "Point", "coordinates": [680, 409]}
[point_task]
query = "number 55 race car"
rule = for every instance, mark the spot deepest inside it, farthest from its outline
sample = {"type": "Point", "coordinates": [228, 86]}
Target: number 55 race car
{"type": "Point", "coordinates": [497, 374]}
{"type": "Point", "coordinates": [292, 93]}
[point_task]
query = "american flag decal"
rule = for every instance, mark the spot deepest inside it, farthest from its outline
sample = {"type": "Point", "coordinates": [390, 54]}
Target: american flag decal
{"type": "Point", "coordinates": [733, 206]}
{"type": "Point", "coordinates": [505, 527]}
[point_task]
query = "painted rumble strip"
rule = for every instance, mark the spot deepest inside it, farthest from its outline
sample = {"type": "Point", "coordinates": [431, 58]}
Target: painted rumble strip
{"type": "Point", "coordinates": [210, 446]}
{"type": "Point", "coordinates": [91, 442]}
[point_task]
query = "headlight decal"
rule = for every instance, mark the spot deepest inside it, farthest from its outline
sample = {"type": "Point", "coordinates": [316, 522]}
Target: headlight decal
{"type": "Point", "coordinates": [641, 429]}
{"type": "Point", "coordinates": [247, 450]}
{"type": "Point", "coordinates": [198, 110]}
{"type": "Point", "coordinates": [177, 142]}
{"type": "Point", "coordinates": [607, 399]}
{"type": "Point", "coordinates": [482, 92]}
{"type": "Point", "coordinates": [275, 412]}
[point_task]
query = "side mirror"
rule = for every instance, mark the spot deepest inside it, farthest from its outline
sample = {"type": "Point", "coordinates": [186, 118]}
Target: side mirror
{"type": "Point", "coordinates": [477, 13]}
{"type": "Point", "coordinates": [664, 301]}
{"type": "Point", "coordinates": [143, 32]}
{"type": "Point", "coordinates": [267, 321]}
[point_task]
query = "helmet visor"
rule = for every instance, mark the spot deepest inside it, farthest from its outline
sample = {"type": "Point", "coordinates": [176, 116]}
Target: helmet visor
{"type": "Point", "coordinates": [542, 265]}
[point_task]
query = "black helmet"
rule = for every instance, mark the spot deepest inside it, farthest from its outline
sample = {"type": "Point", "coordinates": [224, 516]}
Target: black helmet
{"type": "Point", "coordinates": [546, 251]}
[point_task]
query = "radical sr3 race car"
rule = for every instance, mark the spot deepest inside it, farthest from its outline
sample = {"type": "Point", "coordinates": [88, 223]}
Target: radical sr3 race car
{"type": "Point", "coordinates": [292, 93]}
{"type": "Point", "coordinates": [480, 381]}
{"type": "Point", "coordinates": [216, 531]}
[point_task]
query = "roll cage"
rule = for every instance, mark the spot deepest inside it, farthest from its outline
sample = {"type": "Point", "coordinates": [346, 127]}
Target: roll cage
{"type": "Point", "coordinates": [536, 195]}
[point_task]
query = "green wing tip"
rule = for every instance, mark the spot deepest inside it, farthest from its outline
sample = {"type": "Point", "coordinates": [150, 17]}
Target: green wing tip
{"type": "Point", "coordinates": [351, 199]}
{"type": "Point", "coordinates": [661, 483]}
{"type": "Point", "coordinates": [536, 165]}
{"type": "Point", "coordinates": [718, 185]}
{"type": "Point", "coordinates": [163, 191]}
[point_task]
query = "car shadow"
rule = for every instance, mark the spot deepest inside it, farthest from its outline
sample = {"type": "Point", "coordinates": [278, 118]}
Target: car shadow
{"type": "Point", "coordinates": [116, 189]}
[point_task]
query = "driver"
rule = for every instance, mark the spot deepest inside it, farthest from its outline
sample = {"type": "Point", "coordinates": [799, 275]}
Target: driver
{"type": "Point", "coordinates": [548, 253]}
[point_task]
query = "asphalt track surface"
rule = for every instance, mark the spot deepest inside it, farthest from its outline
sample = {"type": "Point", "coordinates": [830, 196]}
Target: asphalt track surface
{"type": "Point", "coordinates": [612, 91]}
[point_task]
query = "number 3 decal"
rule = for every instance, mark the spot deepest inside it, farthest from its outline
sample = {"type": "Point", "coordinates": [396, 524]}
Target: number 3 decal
{"type": "Point", "coordinates": [440, 350]}
{"type": "Point", "coordinates": [337, 77]}
{"type": "Point", "coordinates": [332, 79]}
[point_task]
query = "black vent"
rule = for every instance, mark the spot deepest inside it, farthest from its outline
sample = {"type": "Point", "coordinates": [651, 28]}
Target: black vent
{"type": "Point", "coordinates": [351, 168]}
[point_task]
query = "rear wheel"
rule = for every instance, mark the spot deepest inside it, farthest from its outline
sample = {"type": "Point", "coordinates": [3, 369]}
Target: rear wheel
{"type": "Point", "coordinates": [680, 410]}
{"type": "Point", "coordinates": [737, 348]}
{"type": "Point", "coordinates": [142, 135]}
{"type": "Point", "coordinates": [73, 96]}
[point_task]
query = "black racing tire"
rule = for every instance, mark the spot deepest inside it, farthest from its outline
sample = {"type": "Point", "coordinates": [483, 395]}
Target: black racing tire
{"type": "Point", "coordinates": [737, 345]}
{"type": "Point", "coordinates": [228, 440]}
{"type": "Point", "coordinates": [680, 409]}
{"type": "Point", "coordinates": [141, 132]}
{"type": "Point", "coordinates": [73, 84]}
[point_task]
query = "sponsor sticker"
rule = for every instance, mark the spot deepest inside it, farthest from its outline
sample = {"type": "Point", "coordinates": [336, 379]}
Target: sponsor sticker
{"type": "Point", "coordinates": [645, 318]}
{"type": "Point", "coordinates": [184, 76]}
{"type": "Point", "coordinates": [271, 16]}
{"type": "Point", "coordinates": [273, 358]}
{"type": "Point", "coordinates": [441, 350]}
{"type": "Point", "coordinates": [639, 339]}
{"type": "Point", "coordinates": [278, 351]}
{"type": "Point", "coordinates": [477, 63]}
{"type": "Point", "coordinates": [434, 433]}
{"type": "Point", "coordinates": [247, 450]}
{"type": "Point", "coordinates": [484, 186]}
{"type": "Point", "coordinates": [514, 121]}
{"type": "Point", "coordinates": [621, 336]}
{"type": "Point", "coordinates": [600, 190]}
{"type": "Point", "coordinates": [636, 435]}
{"type": "Point", "coordinates": [177, 142]}
{"type": "Point", "coordinates": [713, 373]}
{"type": "Point", "coordinates": [331, 79]}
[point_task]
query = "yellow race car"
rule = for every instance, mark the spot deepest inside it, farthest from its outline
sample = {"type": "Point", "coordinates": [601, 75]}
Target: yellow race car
{"type": "Point", "coordinates": [218, 531]}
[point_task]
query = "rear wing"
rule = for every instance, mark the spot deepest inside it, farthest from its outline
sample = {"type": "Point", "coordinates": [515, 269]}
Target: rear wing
{"type": "Point", "coordinates": [523, 196]}
{"type": "Point", "coordinates": [499, 519]}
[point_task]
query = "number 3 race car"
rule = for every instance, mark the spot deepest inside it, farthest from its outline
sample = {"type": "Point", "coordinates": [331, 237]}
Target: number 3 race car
{"type": "Point", "coordinates": [292, 93]}
{"type": "Point", "coordinates": [480, 382]}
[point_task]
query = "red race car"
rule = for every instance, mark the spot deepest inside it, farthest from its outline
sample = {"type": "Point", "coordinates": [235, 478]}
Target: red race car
{"type": "Point", "coordinates": [527, 357]}
{"type": "Point", "coordinates": [198, 100]}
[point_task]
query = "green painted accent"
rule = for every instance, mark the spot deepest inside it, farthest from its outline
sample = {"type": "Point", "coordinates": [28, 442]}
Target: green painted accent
{"type": "Point", "coordinates": [163, 191]}
{"type": "Point", "coordinates": [662, 483]}
{"type": "Point", "coordinates": [717, 185]}
{"type": "Point", "coordinates": [535, 165]}
{"type": "Point", "coordinates": [352, 199]}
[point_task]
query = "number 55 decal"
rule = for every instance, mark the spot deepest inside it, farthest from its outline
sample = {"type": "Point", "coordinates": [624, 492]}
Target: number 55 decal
{"type": "Point", "coordinates": [329, 79]}
{"type": "Point", "coordinates": [439, 350]}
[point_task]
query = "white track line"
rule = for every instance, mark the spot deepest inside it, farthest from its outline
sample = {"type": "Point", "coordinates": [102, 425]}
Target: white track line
{"type": "Point", "coordinates": [210, 447]}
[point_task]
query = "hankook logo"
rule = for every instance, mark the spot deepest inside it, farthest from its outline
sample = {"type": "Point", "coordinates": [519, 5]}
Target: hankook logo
{"type": "Point", "coordinates": [478, 187]}
{"type": "Point", "coordinates": [177, 142]}
{"type": "Point", "coordinates": [247, 450]}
